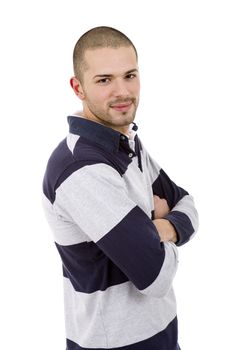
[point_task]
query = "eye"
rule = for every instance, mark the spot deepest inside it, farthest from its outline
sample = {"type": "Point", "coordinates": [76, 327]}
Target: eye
{"type": "Point", "coordinates": [103, 81]}
{"type": "Point", "coordinates": [130, 76]}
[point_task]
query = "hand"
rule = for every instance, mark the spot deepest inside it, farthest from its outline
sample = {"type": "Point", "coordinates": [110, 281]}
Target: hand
{"type": "Point", "coordinates": [161, 207]}
{"type": "Point", "coordinates": [165, 230]}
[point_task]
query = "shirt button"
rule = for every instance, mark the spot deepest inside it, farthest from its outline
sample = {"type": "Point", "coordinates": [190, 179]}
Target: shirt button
{"type": "Point", "coordinates": [122, 137]}
{"type": "Point", "coordinates": [130, 155]}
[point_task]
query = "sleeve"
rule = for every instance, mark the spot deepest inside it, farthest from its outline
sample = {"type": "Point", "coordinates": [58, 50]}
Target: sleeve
{"type": "Point", "coordinates": [183, 215]}
{"type": "Point", "coordinates": [97, 201]}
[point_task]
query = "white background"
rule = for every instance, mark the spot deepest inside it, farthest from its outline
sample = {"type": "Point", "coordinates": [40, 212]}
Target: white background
{"type": "Point", "coordinates": [184, 119]}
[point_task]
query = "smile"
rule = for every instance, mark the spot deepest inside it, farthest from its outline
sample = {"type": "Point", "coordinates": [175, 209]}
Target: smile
{"type": "Point", "coordinates": [122, 107]}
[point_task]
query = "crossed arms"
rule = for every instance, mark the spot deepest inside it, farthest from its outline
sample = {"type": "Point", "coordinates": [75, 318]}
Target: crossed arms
{"type": "Point", "coordinates": [166, 230]}
{"type": "Point", "coordinates": [142, 249]}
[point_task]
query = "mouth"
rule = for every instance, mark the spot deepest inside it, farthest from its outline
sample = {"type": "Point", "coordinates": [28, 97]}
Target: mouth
{"type": "Point", "coordinates": [122, 107]}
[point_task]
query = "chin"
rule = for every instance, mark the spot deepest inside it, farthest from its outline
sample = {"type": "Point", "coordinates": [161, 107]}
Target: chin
{"type": "Point", "coordinates": [125, 116]}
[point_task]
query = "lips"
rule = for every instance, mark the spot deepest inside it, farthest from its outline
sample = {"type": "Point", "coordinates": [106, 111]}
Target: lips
{"type": "Point", "coordinates": [122, 107]}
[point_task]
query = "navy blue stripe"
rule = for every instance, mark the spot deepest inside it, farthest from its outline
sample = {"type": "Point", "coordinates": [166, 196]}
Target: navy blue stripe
{"type": "Point", "coordinates": [63, 163]}
{"type": "Point", "coordinates": [87, 151]}
{"type": "Point", "coordinates": [152, 215]}
{"type": "Point", "coordinates": [165, 188]}
{"type": "Point", "coordinates": [182, 224]}
{"type": "Point", "coordinates": [138, 149]}
{"type": "Point", "coordinates": [60, 159]}
{"type": "Point", "coordinates": [134, 246]}
{"type": "Point", "coordinates": [100, 134]}
{"type": "Point", "coordinates": [165, 340]}
{"type": "Point", "coordinates": [88, 268]}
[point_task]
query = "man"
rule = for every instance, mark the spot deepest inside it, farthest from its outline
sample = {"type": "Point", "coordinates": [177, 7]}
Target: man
{"type": "Point", "coordinates": [116, 216]}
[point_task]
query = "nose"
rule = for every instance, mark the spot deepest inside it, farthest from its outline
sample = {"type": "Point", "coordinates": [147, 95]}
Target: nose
{"type": "Point", "coordinates": [120, 88]}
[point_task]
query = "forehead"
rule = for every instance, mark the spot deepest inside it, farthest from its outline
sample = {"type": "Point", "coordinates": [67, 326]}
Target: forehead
{"type": "Point", "coordinates": [110, 60]}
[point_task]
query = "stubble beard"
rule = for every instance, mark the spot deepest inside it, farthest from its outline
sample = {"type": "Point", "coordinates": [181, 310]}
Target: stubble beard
{"type": "Point", "coordinates": [114, 119]}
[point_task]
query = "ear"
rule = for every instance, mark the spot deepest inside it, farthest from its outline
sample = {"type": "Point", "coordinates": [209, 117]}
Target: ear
{"type": "Point", "coordinates": [77, 87]}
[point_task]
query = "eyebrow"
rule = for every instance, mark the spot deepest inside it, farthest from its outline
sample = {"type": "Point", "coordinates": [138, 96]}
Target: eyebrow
{"type": "Point", "coordinates": [111, 75]}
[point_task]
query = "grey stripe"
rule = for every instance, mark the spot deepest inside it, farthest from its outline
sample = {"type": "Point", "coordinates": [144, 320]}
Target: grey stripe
{"type": "Point", "coordinates": [71, 141]}
{"type": "Point", "coordinates": [153, 167]}
{"type": "Point", "coordinates": [139, 187]}
{"type": "Point", "coordinates": [163, 283]}
{"type": "Point", "coordinates": [186, 206]}
{"type": "Point", "coordinates": [119, 316]}
{"type": "Point", "coordinates": [64, 229]}
{"type": "Point", "coordinates": [94, 194]}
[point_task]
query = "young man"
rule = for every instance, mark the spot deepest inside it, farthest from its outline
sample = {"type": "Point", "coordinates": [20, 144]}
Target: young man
{"type": "Point", "coordinates": [116, 216]}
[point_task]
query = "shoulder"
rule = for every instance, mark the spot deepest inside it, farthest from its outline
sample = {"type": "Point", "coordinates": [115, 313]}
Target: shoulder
{"type": "Point", "coordinates": [76, 155]}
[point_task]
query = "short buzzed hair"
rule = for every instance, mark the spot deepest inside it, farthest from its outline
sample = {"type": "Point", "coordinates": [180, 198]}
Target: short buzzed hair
{"type": "Point", "coordinates": [95, 38]}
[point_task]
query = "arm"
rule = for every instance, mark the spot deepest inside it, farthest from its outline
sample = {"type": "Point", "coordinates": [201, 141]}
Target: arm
{"type": "Point", "coordinates": [180, 211]}
{"type": "Point", "coordinates": [96, 199]}
{"type": "Point", "coordinates": [183, 215]}
{"type": "Point", "coordinates": [165, 229]}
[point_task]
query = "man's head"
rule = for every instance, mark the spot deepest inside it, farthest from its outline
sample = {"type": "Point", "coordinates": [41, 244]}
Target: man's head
{"type": "Point", "coordinates": [97, 38]}
{"type": "Point", "coordinates": [106, 77]}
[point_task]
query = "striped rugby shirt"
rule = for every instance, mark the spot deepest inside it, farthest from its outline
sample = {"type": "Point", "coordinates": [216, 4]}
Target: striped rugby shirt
{"type": "Point", "coordinates": [98, 199]}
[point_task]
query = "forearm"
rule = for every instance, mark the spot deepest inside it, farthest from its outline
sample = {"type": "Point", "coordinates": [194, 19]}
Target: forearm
{"type": "Point", "coordinates": [178, 224]}
{"type": "Point", "coordinates": [184, 218]}
{"type": "Point", "coordinates": [161, 208]}
{"type": "Point", "coordinates": [166, 230]}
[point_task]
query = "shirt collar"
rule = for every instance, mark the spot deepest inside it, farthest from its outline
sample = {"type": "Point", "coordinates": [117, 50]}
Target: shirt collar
{"type": "Point", "coordinates": [101, 134]}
